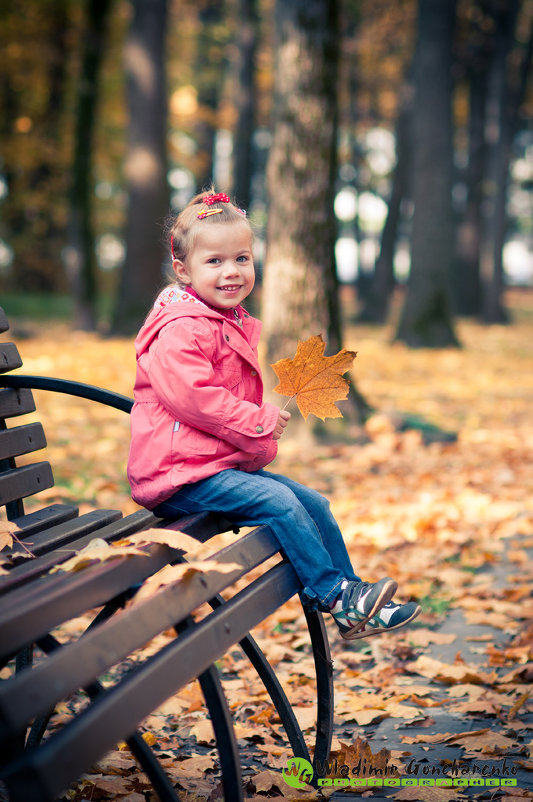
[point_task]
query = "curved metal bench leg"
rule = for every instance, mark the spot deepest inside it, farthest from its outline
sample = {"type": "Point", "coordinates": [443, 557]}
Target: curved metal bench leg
{"type": "Point", "coordinates": [324, 684]}
{"type": "Point", "coordinates": [277, 694]}
{"type": "Point", "coordinates": [152, 768]}
{"type": "Point", "coordinates": [163, 787]}
{"type": "Point", "coordinates": [217, 706]}
{"type": "Point", "coordinates": [230, 765]}
{"type": "Point", "coordinates": [279, 698]}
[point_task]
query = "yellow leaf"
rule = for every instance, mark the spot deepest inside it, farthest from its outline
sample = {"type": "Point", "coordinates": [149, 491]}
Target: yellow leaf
{"type": "Point", "coordinates": [96, 551]}
{"type": "Point", "coordinates": [7, 529]}
{"type": "Point", "coordinates": [5, 540]}
{"type": "Point", "coordinates": [183, 572]}
{"type": "Point", "coordinates": [314, 379]}
{"type": "Point", "coordinates": [169, 537]}
{"type": "Point", "coordinates": [203, 732]}
{"type": "Point", "coordinates": [518, 704]}
{"type": "Point", "coordinates": [194, 766]}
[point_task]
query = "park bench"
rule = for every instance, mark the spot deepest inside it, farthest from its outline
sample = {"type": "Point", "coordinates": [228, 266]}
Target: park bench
{"type": "Point", "coordinates": [38, 763]}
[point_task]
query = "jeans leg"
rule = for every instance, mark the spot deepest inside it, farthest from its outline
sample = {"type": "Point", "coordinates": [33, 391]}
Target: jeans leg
{"type": "Point", "coordinates": [252, 499]}
{"type": "Point", "coordinates": [319, 510]}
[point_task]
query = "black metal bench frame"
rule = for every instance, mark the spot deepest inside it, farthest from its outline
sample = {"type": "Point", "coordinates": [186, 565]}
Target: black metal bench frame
{"type": "Point", "coordinates": [33, 602]}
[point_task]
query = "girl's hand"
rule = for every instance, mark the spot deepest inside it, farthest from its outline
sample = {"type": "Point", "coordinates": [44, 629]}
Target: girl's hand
{"type": "Point", "coordinates": [283, 419]}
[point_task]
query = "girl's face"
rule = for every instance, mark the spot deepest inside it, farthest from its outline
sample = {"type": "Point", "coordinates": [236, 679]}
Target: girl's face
{"type": "Point", "coordinates": [220, 266]}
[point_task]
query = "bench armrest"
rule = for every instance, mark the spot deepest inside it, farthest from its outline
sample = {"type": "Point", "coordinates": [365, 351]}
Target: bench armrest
{"type": "Point", "coordinates": [89, 391]}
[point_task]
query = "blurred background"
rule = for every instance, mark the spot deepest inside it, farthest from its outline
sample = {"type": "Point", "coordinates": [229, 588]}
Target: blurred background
{"type": "Point", "coordinates": [382, 148]}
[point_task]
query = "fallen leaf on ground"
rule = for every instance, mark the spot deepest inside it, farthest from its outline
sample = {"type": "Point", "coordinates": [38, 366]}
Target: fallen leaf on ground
{"type": "Point", "coordinates": [428, 794]}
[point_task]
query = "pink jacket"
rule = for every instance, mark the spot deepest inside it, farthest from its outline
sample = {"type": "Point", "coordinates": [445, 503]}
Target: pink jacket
{"type": "Point", "coordinates": [198, 400]}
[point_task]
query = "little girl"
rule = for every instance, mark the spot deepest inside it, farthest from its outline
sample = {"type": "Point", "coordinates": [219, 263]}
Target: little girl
{"type": "Point", "coordinates": [202, 434]}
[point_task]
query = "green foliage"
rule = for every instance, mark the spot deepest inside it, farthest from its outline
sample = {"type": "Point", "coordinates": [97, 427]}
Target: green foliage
{"type": "Point", "coordinates": [37, 306]}
{"type": "Point", "coordinates": [46, 306]}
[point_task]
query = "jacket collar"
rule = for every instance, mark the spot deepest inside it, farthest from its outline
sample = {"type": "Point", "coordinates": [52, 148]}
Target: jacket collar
{"type": "Point", "coordinates": [173, 303]}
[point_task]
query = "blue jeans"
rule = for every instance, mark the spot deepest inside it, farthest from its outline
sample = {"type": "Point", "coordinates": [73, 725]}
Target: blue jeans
{"type": "Point", "coordinates": [299, 517]}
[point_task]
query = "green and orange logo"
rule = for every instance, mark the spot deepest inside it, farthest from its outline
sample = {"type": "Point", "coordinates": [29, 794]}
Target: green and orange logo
{"type": "Point", "coordinates": [299, 772]}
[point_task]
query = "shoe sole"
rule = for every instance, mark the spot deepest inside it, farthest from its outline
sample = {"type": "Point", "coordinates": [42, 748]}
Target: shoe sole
{"type": "Point", "coordinates": [378, 630]}
{"type": "Point", "coordinates": [390, 586]}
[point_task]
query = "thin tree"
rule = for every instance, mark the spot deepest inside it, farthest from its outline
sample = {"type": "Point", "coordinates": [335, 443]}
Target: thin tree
{"type": "Point", "coordinates": [507, 82]}
{"type": "Point", "coordinates": [473, 49]}
{"type": "Point", "coordinates": [82, 267]}
{"type": "Point", "coordinates": [426, 319]}
{"type": "Point", "coordinates": [378, 297]}
{"type": "Point", "coordinates": [36, 153]}
{"type": "Point", "coordinates": [145, 166]}
{"type": "Point", "coordinates": [210, 73]}
{"type": "Point", "coordinates": [245, 100]}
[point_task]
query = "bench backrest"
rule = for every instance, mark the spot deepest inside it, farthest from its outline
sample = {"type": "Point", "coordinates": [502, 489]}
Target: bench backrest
{"type": "Point", "coordinates": [17, 482]}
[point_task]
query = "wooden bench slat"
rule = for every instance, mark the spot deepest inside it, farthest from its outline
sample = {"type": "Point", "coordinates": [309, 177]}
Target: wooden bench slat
{"type": "Point", "coordinates": [9, 357]}
{"type": "Point", "coordinates": [45, 518]}
{"type": "Point", "coordinates": [31, 569]}
{"type": "Point", "coordinates": [21, 440]}
{"type": "Point", "coordinates": [30, 611]}
{"type": "Point", "coordinates": [142, 519]}
{"type": "Point", "coordinates": [65, 755]}
{"type": "Point", "coordinates": [44, 599]}
{"type": "Point", "coordinates": [62, 534]}
{"type": "Point", "coordinates": [15, 402]}
{"type": "Point", "coordinates": [25, 481]}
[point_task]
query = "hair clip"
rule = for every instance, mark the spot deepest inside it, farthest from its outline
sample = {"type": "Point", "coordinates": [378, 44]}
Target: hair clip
{"type": "Point", "coordinates": [208, 213]}
{"type": "Point", "coordinates": [220, 197]}
{"type": "Point", "coordinates": [172, 246]}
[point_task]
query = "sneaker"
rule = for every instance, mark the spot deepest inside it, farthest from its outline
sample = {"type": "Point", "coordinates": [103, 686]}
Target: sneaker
{"type": "Point", "coordinates": [359, 602]}
{"type": "Point", "coordinates": [390, 616]}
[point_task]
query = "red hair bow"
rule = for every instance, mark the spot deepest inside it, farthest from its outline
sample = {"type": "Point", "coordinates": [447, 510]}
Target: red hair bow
{"type": "Point", "coordinates": [221, 197]}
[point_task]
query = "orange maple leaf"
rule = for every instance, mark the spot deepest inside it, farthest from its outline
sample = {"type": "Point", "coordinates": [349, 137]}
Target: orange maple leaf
{"type": "Point", "coordinates": [315, 380]}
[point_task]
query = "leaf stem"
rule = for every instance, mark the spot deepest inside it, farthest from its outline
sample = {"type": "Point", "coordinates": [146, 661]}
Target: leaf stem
{"type": "Point", "coordinates": [21, 543]}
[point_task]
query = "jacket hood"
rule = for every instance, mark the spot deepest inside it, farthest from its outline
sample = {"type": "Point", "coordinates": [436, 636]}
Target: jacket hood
{"type": "Point", "coordinates": [173, 303]}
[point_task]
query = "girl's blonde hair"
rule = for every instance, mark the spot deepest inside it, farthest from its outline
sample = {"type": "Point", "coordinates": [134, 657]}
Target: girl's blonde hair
{"type": "Point", "coordinates": [204, 209]}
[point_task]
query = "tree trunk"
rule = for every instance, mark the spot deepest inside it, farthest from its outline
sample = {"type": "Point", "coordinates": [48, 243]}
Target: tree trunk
{"type": "Point", "coordinates": [38, 166]}
{"type": "Point", "coordinates": [145, 168]}
{"type": "Point", "coordinates": [466, 279]}
{"type": "Point", "coordinates": [377, 301]}
{"type": "Point", "coordinates": [426, 319]}
{"type": "Point", "coordinates": [81, 265]}
{"type": "Point", "coordinates": [210, 70]}
{"type": "Point", "coordinates": [245, 100]}
{"type": "Point", "coordinates": [498, 141]}
{"type": "Point", "coordinates": [300, 293]}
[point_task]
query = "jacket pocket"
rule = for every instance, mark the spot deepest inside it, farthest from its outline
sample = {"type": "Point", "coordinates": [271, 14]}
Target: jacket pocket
{"type": "Point", "coordinates": [225, 376]}
{"type": "Point", "coordinates": [191, 445]}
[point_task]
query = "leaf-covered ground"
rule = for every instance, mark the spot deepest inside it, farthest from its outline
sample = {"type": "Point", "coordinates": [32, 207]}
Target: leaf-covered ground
{"type": "Point", "coordinates": [450, 519]}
